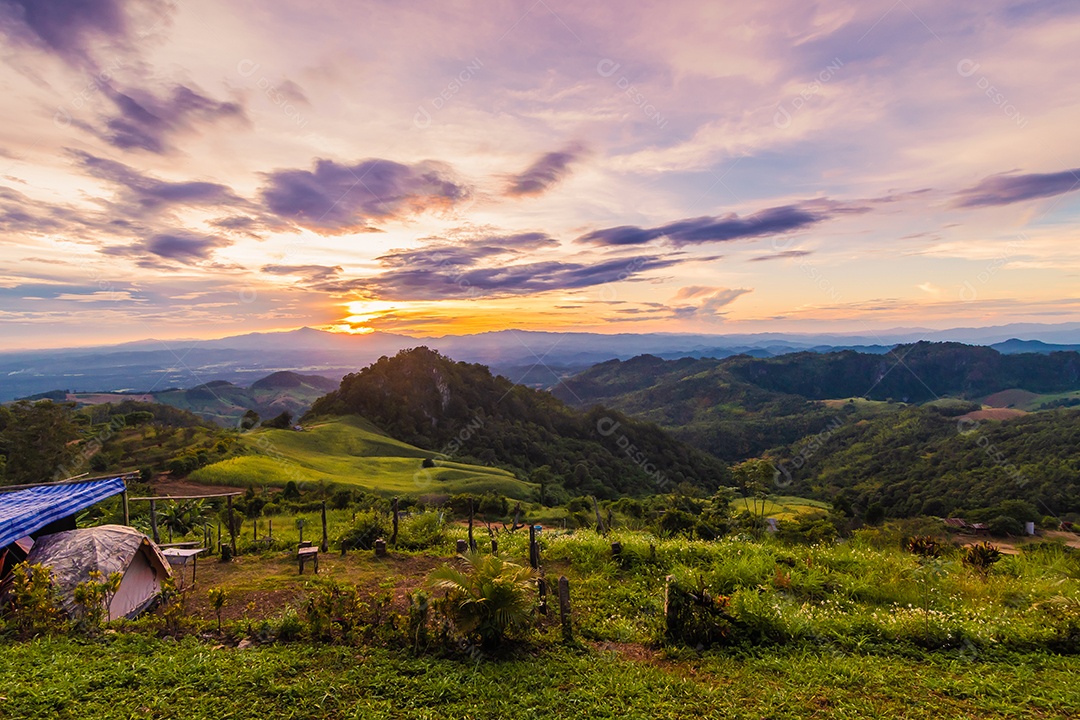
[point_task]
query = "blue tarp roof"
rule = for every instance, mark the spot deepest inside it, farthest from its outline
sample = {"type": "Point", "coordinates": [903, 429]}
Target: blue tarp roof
{"type": "Point", "coordinates": [25, 511]}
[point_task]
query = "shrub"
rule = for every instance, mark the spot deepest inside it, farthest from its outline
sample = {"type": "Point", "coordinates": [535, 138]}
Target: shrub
{"type": "Point", "coordinates": [290, 627]}
{"type": "Point", "coordinates": [924, 546]}
{"type": "Point", "coordinates": [1004, 526]}
{"type": "Point", "coordinates": [34, 604]}
{"type": "Point", "coordinates": [695, 617]}
{"type": "Point", "coordinates": [489, 599]}
{"type": "Point", "coordinates": [981, 557]}
{"type": "Point", "coordinates": [421, 532]}
{"type": "Point", "coordinates": [364, 531]}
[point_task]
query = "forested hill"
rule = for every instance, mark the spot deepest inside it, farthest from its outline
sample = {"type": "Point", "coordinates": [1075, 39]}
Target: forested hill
{"type": "Point", "coordinates": [919, 460]}
{"type": "Point", "coordinates": [461, 409]}
{"type": "Point", "coordinates": [909, 373]}
{"type": "Point", "coordinates": [741, 407]}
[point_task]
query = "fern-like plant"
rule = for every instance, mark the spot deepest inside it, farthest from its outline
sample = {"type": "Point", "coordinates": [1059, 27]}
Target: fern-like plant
{"type": "Point", "coordinates": [487, 600]}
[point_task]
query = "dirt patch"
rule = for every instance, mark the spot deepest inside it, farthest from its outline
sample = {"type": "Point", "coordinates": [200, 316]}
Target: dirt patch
{"type": "Point", "coordinates": [261, 587]}
{"type": "Point", "coordinates": [993, 414]}
{"type": "Point", "coordinates": [1009, 398]}
{"type": "Point", "coordinates": [635, 652]}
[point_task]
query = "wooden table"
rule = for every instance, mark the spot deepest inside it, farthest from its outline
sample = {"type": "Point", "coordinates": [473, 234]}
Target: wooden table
{"type": "Point", "coordinates": [179, 556]}
{"type": "Point", "coordinates": [308, 553]}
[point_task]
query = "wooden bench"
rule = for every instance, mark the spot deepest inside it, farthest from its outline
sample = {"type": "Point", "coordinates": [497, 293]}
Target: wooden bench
{"type": "Point", "coordinates": [305, 552]}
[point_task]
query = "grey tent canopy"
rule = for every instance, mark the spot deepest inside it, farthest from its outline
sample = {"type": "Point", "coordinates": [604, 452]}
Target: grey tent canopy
{"type": "Point", "coordinates": [72, 555]}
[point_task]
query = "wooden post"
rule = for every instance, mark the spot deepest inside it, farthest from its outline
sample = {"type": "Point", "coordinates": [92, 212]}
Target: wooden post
{"type": "Point", "coordinates": [494, 546]}
{"type": "Point", "coordinates": [534, 550]}
{"type": "Point", "coordinates": [170, 533]}
{"type": "Point", "coordinates": [255, 531]}
{"type": "Point", "coordinates": [300, 526]}
{"type": "Point", "coordinates": [616, 548]}
{"type": "Point", "coordinates": [380, 548]}
{"type": "Point", "coordinates": [232, 526]}
{"type": "Point", "coordinates": [219, 535]}
{"type": "Point", "coordinates": [462, 547]}
{"type": "Point", "coordinates": [153, 521]}
{"type": "Point", "coordinates": [393, 537]}
{"type": "Point", "coordinates": [599, 522]}
{"type": "Point", "coordinates": [325, 547]}
{"type": "Point", "coordinates": [541, 586]}
{"type": "Point", "coordinates": [472, 543]}
{"type": "Point", "coordinates": [270, 528]}
{"type": "Point", "coordinates": [127, 513]}
{"type": "Point", "coordinates": [564, 610]}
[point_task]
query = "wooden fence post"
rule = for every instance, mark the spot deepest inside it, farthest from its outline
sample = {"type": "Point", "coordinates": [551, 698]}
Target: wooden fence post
{"type": "Point", "coordinates": [393, 536]}
{"type": "Point", "coordinates": [127, 513]}
{"type": "Point", "coordinates": [462, 547]}
{"type": "Point", "coordinates": [325, 547]}
{"type": "Point", "coordinates": [153, 521]}
{"type": "Point", "coordinates": [472, 543]}
{"type": "Point", "coordinates": [494, 546]}
{"type": "Point", "coordinates": [534, 549]}
{"type": "Point", "coordinates": [564, 610]}
{"type": "Point", "coordinates": [541, 586]}
{"type": "Point", "coordinates": [232, 526]}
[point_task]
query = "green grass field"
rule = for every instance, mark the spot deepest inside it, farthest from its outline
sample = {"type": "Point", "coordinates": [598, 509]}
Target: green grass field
{"type": "Point", "coordinates": [781, 507]}
{"type": "Point", "coordinates": [135, 677]}
{"type": "Point", "coordinates": [350, 451]}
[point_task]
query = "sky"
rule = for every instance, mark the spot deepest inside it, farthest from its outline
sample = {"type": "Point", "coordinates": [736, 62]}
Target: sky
{"type": "Point", "coordinates": [203, 169]}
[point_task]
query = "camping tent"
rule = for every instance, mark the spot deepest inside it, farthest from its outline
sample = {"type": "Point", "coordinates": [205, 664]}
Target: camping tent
{"type": "Point", "coordinates": [73, 554]}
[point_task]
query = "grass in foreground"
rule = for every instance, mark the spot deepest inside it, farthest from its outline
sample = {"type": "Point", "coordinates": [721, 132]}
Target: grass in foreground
{"type": "Point", "coordinates": [136, 676]}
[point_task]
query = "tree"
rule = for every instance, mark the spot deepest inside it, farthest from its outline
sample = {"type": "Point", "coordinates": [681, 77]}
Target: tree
{"type": "Point", "coordinates": [280, 422]}
{"type": "Point", "coordinates": [35, 439]}
{"type": "Point", "coordinates": [249, 420]}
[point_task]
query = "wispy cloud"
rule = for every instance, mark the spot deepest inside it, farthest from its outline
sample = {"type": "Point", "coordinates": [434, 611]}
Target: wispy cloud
{"type": "Point", "coordinates": [335, 198]}
{"type": "Point", "coordinates": [546, 172]}
{"type": "Point", "coordinates": [1008, 189]}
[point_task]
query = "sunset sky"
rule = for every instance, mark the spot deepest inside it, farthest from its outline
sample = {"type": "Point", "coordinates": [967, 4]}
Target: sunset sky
{"type": "Point", "coordinates": [201, 169]}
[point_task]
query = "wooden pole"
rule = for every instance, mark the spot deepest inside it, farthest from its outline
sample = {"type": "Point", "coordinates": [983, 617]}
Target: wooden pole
{"type": "Point", "coordinates": [232, 526]}
{"type": "Point", "coordinates": [599, 522]}
{"type": "Point", "coordinates": [564, 610]}
{"type": "Point", "coordinates": [270, 527]}
{"type": "Point", "coordinates": [541, 586]}
{"type": "Point", "coordinates": [153, 521]}
{"type": "Point", "coordinates": [219, 536]}
{"type": "Point", "coordinates": [127, 512]}
{"type": "Point", "coordinates": [325, 547]}
{"type": "Point", "coordinates": [472, 543]}
{"type": "Point", "coordinates": [534, 555]}
{"type": "Point", "coordinates": [393, 536]}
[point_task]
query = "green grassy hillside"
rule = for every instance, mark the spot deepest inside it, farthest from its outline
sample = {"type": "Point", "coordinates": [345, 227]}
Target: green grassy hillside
{"type": "Point", "coordinates": [350, 451]}
{"type": "Point", "coordinates": [225, 403]}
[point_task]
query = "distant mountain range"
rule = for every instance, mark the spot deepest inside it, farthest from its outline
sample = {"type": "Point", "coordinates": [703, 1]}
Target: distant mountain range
{"type": "Point", "coordinates": [538, 359]}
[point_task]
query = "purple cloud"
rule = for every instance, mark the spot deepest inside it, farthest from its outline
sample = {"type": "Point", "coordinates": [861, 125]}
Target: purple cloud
{"type": "Point", "coordinates": [141, 193]}
{"type": "Point", "coordinates": [694, 231]}
{"type": "Point", "coordinates": [336, 198]}
{"type": "Point", "coordinates": [145, 121]}
{"type": "Point", "coordinates": [1006, 189]}
{"type": "Point", "coordinates": [545, 173]}
{"type": "Point", "coordinates": [181, 247]}
{"type": "Point", "coordinates": [64, 26]}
